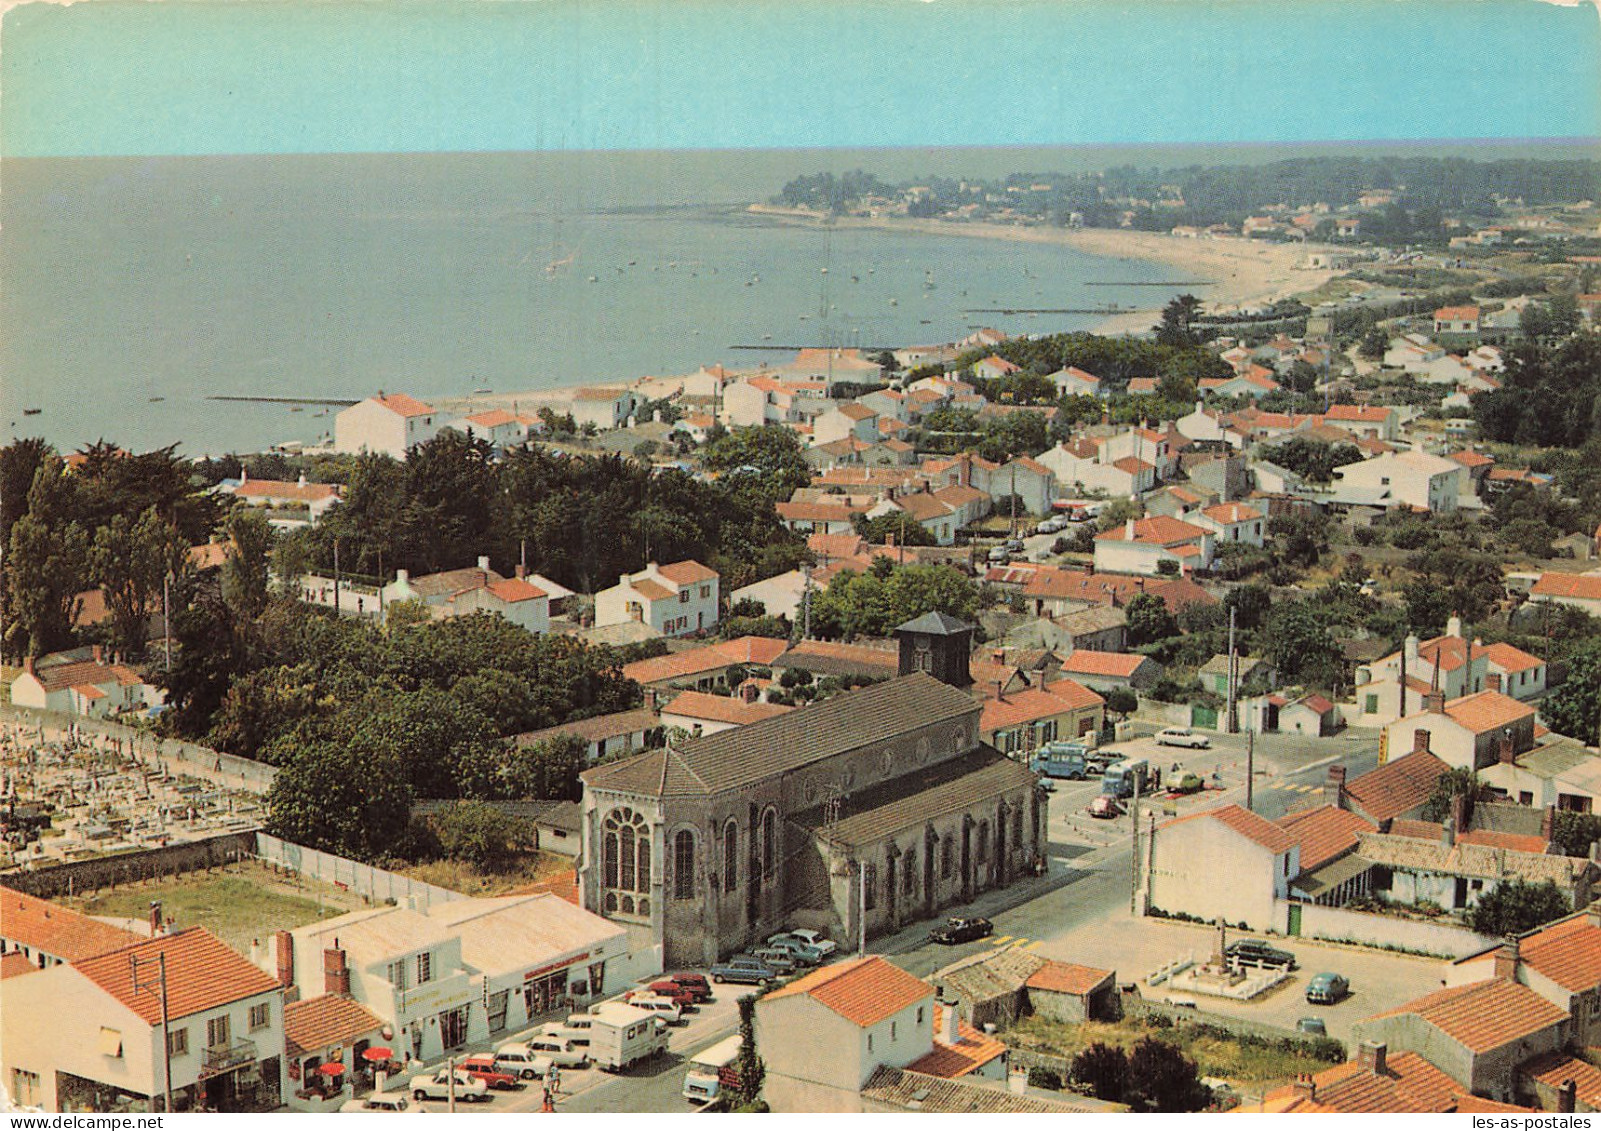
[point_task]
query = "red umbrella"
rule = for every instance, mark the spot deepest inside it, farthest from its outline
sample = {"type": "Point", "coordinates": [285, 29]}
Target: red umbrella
{"type": "Point", "coordinates": [377, 1054]}
{"type": "Point", "coordinates": [331, 1069]}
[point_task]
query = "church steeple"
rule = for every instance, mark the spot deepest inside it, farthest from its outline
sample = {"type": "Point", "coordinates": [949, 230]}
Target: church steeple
{"type": "Point", "coordinates": [939, 645]}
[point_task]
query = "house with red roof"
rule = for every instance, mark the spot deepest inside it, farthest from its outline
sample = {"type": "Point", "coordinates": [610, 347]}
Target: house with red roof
{"type": "Point", "coordinates": [1560, 961]}
{"type": "Point", "coordinates": [1239, 523]}
{"type": "Point", "coordinates": [1579, 591]}
{"type": "Point", "coordinates": [1053, 710]}
{"type": "Point", "coordinates": [89, 1035]}
{"type": "Point", "coordinates": [605, 408]}
{"type": "Point", "coordinates": [472, 589]}
{"type": "Point", "coordinates": [1514, 672]}
{"type": "Point", "coordinates": [281, 494]}
{"type": "Point", "coordinates": [1460, 320]}
{"type": "Point", "coordinates": [994, 367]}
{"type": "Point", "coordinates": [1075, 382]}
{"type": "Point", "coordinates": [1471, 732]}
{"type": "Point", "coordinates": [46, 934]}
{"type": "Point", "coordinates": [700, 712]}
{"type": "Point", "coordinates": [95, 685]}
{"type": "Point", "coordinates": [1375, 1083]}
{"type": "Point", "coordinates": [1450, 663]}
{"type": "Point", "coordinates": [1395, 789]}
{"type": "Point", "coordinates": [495, 426]}
{"type": "Point", "coordinates": [1189, 853]}
{"type": "Point", "coordinates": [1141, 546]}
{"type": "Point", "coordinates": [1102, 671]}
{"type": "Point", "coordinates": [392, 423]}
{"type": "Point", "coordinates": [676, 600]}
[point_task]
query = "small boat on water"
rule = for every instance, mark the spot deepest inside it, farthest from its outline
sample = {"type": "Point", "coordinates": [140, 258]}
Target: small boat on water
{"type": "Point", "coordinates": [157, 400]}
{"type": "Point", "coordinates": [297, 408]}
{"type": "Point", "coordinates": [32, 411]}
{"type": "Point", "coordinates": [481, 392]}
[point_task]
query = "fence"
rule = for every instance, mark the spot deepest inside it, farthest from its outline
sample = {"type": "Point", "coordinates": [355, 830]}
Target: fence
{"type": "Point", "coordinates": [132, 867]}
{"type": "Point", "coordinates": [363, 879]}
{"type": "Point", "coordinates": [1367, 928]}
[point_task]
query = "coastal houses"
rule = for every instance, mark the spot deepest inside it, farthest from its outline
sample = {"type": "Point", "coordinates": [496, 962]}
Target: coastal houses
{"type": "Point", "coordinates": [676, 600]}
{"type": "Point", "coordinates": [391, 423]}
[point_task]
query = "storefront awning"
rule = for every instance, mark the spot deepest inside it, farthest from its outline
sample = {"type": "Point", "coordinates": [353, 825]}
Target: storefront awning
{"type": "Point", "coordinates": [1311, 885]}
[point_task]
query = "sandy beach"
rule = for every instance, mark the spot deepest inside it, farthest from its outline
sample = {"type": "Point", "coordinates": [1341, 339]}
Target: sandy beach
{"type": "Point", "coordinates": [1240, 272]}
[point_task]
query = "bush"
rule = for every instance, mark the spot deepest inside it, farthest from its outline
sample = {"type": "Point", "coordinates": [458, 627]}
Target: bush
{"type": "Point", "coordinates": [477, 833]}
{"type": "Point", "coordinates": [1364, 535]}
{"type": "Point", "coordinates": [1044, 1078]}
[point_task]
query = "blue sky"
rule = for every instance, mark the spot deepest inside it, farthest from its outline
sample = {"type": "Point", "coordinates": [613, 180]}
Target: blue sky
{"type": "Point", "coordinates": [115, 77]}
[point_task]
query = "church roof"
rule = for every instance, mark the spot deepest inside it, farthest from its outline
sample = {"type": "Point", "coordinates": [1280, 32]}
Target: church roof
{"type": "Point", "coordinates": [935, 624]}
{"type": "Point", "coordinates": [735, 758]}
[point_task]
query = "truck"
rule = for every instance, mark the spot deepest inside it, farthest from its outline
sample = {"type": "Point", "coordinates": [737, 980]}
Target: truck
{"type": "Point", "coordinates": [621, 1035]}
{"type": "Point", "coordinates": [711, 1070]}
{"type": "Point", "coordinates": [1120, 779]}
{"type": "Point", "coordinates": [1069, 760]}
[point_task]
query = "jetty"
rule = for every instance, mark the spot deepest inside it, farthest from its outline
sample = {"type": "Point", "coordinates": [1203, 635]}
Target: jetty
{"type": "Point", "coordinates": [341, 402]}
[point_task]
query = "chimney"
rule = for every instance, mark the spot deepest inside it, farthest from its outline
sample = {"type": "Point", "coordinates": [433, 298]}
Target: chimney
{"type": "Point", "coordinates": [286, 958]}
{"type": "Point", "coordinates": [402, 576]}
{"type": "Point", "coordinates": [1305, 1087]}
{"type": "Point", "coordinates": [1506, 959]}
{"type": "Point", "coordinates": [27, 664]}
{"type": "Point", "coordinates": [302, 482]}
{"type": "Point", "coordinates": [1434, 702]}
{"type": "Point", "coordinates": [335, 974]}
{"type": "Point", "coordinates": [1453, 626]}
{"type": "Point", "coordinates": [1593, 912]}
{"type": "Point", "coordinates": [650, 700]}
{"type": "Point", "coordinates": [1370, 1056]}
{"type": "Point", "coordinates": [1337, 785]}
{"type": "Point", "coordinates": [244, 477]}
{"type": "Point", "coordinates": [155, 917]}
{"type": "Point", "coordinates": [948, 1017]}
{"type": "Point", "coordinates": [520, 572]}
{"type": "Point", "coordinates": [1493, 681]}
{"type": "Point", "coordinates": [483, 562]}
{"type": "Point", "coordinates": [999, 697]}
{"type": "Point", "coordinates": [1448, 833]}
{"type": "Point", "coordinates": [748, 692]}
{"type": "Point", "coordinates": [1565, 1097]}
{"type": "Point", "coordinates": [1548, 821]}
{"type": "Point", "coordinates": [889, 541]}
{"type": "Point", "coordinates": [1503, 749]}
{"type": "Point", "coordinates": [1128, 530]}
{"type": "Point", "coordinates": [99, 654]}
{"type": "Point", "coordinates": [1410, 650]}
{"type": "Point", "coordinates": [1420, 740]}
{"type": "Point", "coordinates": [255, 952]}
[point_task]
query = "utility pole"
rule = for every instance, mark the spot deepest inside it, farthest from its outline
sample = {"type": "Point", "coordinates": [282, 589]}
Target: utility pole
{"type": "Point", "coordinates": [336, 575]}
{"type": "Point", "coordinates": [1250, 767]}
{"type": "Point", "coordinates": [159, 988]}
{"type": "Point", "coordinates": [1232, 723]}
{"type": "Point", "coordinates": [1134, 860]}
{"type": "Point", "coordinates": [166, 617]}
{"type": "Point", "coordinates": [862, 943]}
{"type": "Point", "coordinates": [450, 1084]}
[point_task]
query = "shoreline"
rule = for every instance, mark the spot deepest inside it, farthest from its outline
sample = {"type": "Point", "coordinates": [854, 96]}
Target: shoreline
{"type": "Point", "coordinates": [1239, 272]}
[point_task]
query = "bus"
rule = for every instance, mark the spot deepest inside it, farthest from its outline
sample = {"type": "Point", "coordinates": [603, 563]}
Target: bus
{"type": "Point", "coordinates": [1068, 760]}
{"type": "Point", "coordinates": [1120, 780]}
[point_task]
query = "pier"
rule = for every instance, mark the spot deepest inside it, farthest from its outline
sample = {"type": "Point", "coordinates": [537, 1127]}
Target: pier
{"type": "Point", "coordinates": [344, 402]}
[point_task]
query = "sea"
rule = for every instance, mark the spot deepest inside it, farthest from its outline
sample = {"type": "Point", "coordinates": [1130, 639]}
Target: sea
{"type": "Point", "coordinates": [135, 290]}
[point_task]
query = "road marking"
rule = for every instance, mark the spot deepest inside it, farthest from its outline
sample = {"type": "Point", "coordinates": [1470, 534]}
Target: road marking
{"type": "Point", "coordinates": [1033, 944]}
{"type": "Point", "coordinates": [1003, 938]}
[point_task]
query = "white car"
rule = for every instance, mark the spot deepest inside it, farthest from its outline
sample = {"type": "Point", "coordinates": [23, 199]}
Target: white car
{"type": "Point", "coordinates": [392, 1102]}
{"type": "Point", "coordinates": [665, 1009]}
{"type": "Point", "coordinates": [522, 1060]}
{"type": "Point", "coordinates": [1182, 736]}
{"type": "Point", "coordinates": [436, 1086]}
{"type": "Point", "coordinates": [816, 940]}
{"type": "Point", "coordinates": [562, 1051]}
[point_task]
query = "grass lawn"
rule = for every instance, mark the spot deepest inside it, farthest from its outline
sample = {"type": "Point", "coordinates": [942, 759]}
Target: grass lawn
{"type": "Point", "coordinates": [238, 905]}
{"type": "Point", "coordinates": [1246, 1061]}
{"type": "Point", "coordinates": [529, 868]}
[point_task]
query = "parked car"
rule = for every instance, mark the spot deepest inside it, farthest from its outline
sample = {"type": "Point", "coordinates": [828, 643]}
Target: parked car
{"type": "Point", "coordinates": [564, 1052]}
{"type": "Point", "coordinates": [1179, 1001]}
{"type": "Point", "coordinates": [684, 1000]}
{"type": "Point", "coordinates": [1189, 783]}
{"type": "Point", "coordinates": [776, 957]}
{"type": "Point", "coordinates": [962, 929]}
{"type": "Point", "coordinates": [1182, 736]}
{"type": "Point", "coordinates": [662, 1007]}
{"type": "Point", "coordinates": [1327, 989]}
{"type": "Point", "coordinates": [1313, 1026]}
{"type": "Point", "coordinates": [485, 1067]}
{"type": "Point", "coordinates": [1104, 808]}
{"type": "Point", "coordinates": [1255, 952]}
{"type": "Point", "coordinates": [999, 556]}
{"type": "Point", "coordinates": [437, 1086]}
{"type": "Point", "coordinates": [695, 984]}
{"type": "Point", "coordinates": [799, 952]}
{"type": "Point", "coordinates": [1014, 545]}
{"type": "Point", "coordinates": [749, 971]}
{"type": "Point", "coordinates": [392, 1102]}
{"type": "Point", "coordinates": [816, 940]}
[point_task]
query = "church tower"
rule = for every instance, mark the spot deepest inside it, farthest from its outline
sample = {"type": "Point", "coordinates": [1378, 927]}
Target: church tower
{"type": "Point", "coordinates": [939, 645]}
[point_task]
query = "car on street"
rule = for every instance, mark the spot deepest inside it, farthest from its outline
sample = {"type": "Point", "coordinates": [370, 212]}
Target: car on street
{"type": "Point", "coordinates": [1327, 989]}
{"type": "Point", "coordinates": [437, 1086]}
{"type": "Point", "coordinates": [816, 940]}
{"type": "Point", "coordinates": [1189, 783]}
{"type": "Point", "coordinates": [683, 999]}
{"type": "Point", "coordinates": [999, 556]}
{"type": "Point", "coordinates": [962, 929]}
{"type": "Point", "coordinates": [776, 957]}
{"type": "Point", "coordinates": [662, 1007]}
{"type": "Point", "coordinates": [694, 983]}
{"type": "Point", "coordinates": [1104, 808]}
{"type": "Point", "coordinates": [1052, 526]}
{"type": "Point", "coordinates": [799, 952]}
{"type": "Point", "coordinates": [564, 1052]}
{"type": "Point", "coordinates": [673, 988]}
{"type": "Point", "coordinates": [749, 971]}
{"type": "Point", "coordinates": [484, 1067]}
{"type": "Point", "coordinates": [1313, 1026]}
{"type": "Point", "coordinates": [391, 1102]}
{"type": "Point", "coordinates": [1255, 952]}
{"type": "Point", "coordinates": [1182, 736]}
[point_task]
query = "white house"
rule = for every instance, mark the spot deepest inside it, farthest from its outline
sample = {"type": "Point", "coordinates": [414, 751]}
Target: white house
{"type": "Point", "coordinates": [87, 1035]}
{"type": "Point", "coordinates": [1411, 478]}
{"type": "Point", "coordinates": [994, 367]}
{"type": "Point", "coordinates": [1450, 664]}
{"type": "Point", "coordinates": [832, 367]}
{"type": "Point", "coordinates": [1274, 480]}
{"type": "Point", "coordinates": [316, 498]}
{"type": "Point", "coordinates": [1472, 732]}
{"type": "Point", "coordinates": [1141, 545]}
{"type": "Point", "coordinates": [495, 425]}
{"type": "Point", "coordinates": [701, 712]}
{"type": "Point", "coordinates": [675, 600]}
{"type": "Point", "coordinates": [65, 682]}
{"type": "Point", "coordinates": [459, 592]}
{"type": "Point", "coordinates": [848, 420]}
{"type": "Point", "coordinates": [1232, 522]}
{"type": "Point", "coordinates": [780, 596]}
{"type": "Point", "coordinates": [1579, 591]}
{"type": "Point", "coordinates": [1377, 422]}
{"type": "Point", "coordinates": [1456, 320]}
{"type": "Point", "coordinates": [1202, 424]}
{"type": "Point", "coordinates": [393, 423]}
{"type": "Point", "coordinates": [1189, 854]}
{"type": "Point", "coordinates": [1075, 382]}
{"type": "Point", "coordinates": [604, 408]}
{"type": "Point", "coordinates": [823, 1035]}
{"type": "Point", "coordinates": [1081, 467]}
{"type": "Point", "coordinates": [1515, 672]}
{"type": "Point", "coordinates": [1027, 478]}
{"type": "Point", "coordinates": [1413, 353]}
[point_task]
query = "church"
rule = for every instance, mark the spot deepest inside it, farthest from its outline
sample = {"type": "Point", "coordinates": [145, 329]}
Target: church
{"type": "Point", "coordinates": [854, 816]}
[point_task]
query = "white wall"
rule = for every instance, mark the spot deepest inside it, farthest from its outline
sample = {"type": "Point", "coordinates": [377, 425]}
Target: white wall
{"type": "Point", "coordinates": [1190, 857]}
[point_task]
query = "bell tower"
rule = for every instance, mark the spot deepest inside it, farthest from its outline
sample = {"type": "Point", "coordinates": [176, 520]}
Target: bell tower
{"type": "Point", "coordinates": [939, 645]}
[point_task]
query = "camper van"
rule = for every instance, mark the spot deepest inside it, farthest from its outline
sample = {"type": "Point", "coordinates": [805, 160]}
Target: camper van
{"type": "Point", "coordinates": [1122, 779]}
{"type": "Point", "coordinates": [621, 1035]}
{"type": "Point", "coordinates": [711, 1069]}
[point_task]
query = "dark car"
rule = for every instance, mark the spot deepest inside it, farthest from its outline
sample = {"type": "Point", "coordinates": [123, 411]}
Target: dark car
{"type": "Point", "coordinates": [695, 984]}
{"type": "Point", "coordinates": [743, 968]}
{"type": "Point", "coordinates": [1313, 1026]}
{"type": "Point", "coordinates": [1255, 952]}
{"type": "Point", "coordinates": [1327, 989]}
{"type": "Point", "coordinates": [960, 930]}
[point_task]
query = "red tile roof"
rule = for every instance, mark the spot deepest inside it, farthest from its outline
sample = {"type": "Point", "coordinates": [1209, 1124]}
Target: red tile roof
{"type": "Point", "coordinates": [326, 1022]}
{"type": "Point", "coordinates": [1567, 951]}
{"type": "Point", "coordinates": [56, 930]}
{"type": "Point", "coordinates": [403, 405]}
{"type": "Point", "coordinates": [1408, 1084]}
{"type": "Point", "coordinates": [1484, 1015]}
{"type": "Point", "coordinates": [1324, 833]}
{"type": "Point", "coordinates": [972, 1051]}
{"type": "Point", "coordinates": [864, 991]}
{"type": "Point", "coordinates": [722, 708]}
{"type": "Point", "coordinates": [687, 572]}
{"type": "Point", "coordinates": [271, 489]}
{"type": "Point", "coordinates": [1159, 530]}
{"type": "Point", "coordinates": [1368, 414]}
{"type": "Point", "coordinates": [1066, 978]}
{"type": "Point", "coordinates": [1257, 829]}
{"type": "Point", "coordinates": [1487, 710]}
{"type": "Point", "coordinates": [14, 962]}
{"type": "Point", "coordinates": [1457, 314]}
{"type": "Point", "coordinates": [1396, 787]}
{"type": "Point", "coordinates": [1555, 1069]}
{"type": "Point", "coordinates": [1081, 661]}
{"type": "Point", "coordinates": [1470, 458]}
{"type": "Point", "coordinates": [1510, 659]}
{"type": "Point", "coordinates": [515, 589]}
{"type": "Point", "coordinates": [709, 657]}
{"type": "Point", "coordinates": [1230, 513]}
{"type": "Point", "coordinates": [1031, 704]}
{"type": "Point", "coordinates": [494, 418]}
{"type": "Point", "coordinates": [652, 590]}
{"type": "Point", "coordinates": [202, 973]}
{"type": "Point", "coordinates": [1582, 587]}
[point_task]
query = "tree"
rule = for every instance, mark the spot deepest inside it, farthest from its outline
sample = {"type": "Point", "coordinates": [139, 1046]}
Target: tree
{"type": "Point", "coordinates": [1427, 606]}
{"type": "Point", "coordinates": [1453, 783]}
{"type": "Point", "coordinates": [1301, 647]}
{"type": "Point", "coordinates": [477, 833]}
{"type": "Point", "coordinates": [1177, 315]}
{"type": "Point", "coordinates": [20, 461]}
{"type": "Point", "coordinates": [546, 770]}
{"type": "Point", "coordinates": [1575, 832]}
{"type": "Point", "coordinates": [244, 573]}
{"type": "Point", "coordinates": [1121, 700]}
{"type": "Point", "coordinates": [131, 559]}
{"type": "Point", "coordinates": [1374, 344]}
{"type": "Point", "coordinates": [1574, 709]}
{"type": "Point", "coordinates": [747, 1094]}
{"type": "Point", "coordinates": [1515, 906]}
{"type": "Point", "coordinates": [1103, 1069]}
{"type": "Point", "coordinates": [1148, 620]}
{"type": "Point", "coordinates": [1162, 1078]}
{"type": "Point", "coordinates": [334, 800]}
{"type": "Point", "coordinates": [904, 530]}
{"type": "Point", "coordinates": [772, 452]}
{"type": "Point", "coordinates": [1250, 605]}
{"type": "Point", "coordinates": [873, 603]}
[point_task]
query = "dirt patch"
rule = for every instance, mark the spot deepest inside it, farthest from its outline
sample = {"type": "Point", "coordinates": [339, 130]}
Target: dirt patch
{"type": "Point", "coordinates": [530, 869]}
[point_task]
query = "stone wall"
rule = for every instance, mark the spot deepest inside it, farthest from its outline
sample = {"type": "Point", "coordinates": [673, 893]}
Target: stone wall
{"type": "Point", "coordinates": [1369, 928]}
{"type": "Point", "coordinates": [129, 867]}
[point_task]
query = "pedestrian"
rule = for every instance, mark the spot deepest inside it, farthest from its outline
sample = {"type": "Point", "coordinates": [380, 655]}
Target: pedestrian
{"type": "Point", "coordinates": [548, 1104]}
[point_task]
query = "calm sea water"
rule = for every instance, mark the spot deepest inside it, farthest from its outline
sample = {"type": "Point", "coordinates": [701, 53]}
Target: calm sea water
{"type": "Point", "coordinates": [127, 280]}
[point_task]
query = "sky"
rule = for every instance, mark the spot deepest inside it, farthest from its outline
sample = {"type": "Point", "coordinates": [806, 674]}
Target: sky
{"type": "Point", "coordinates": [127, 77]}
